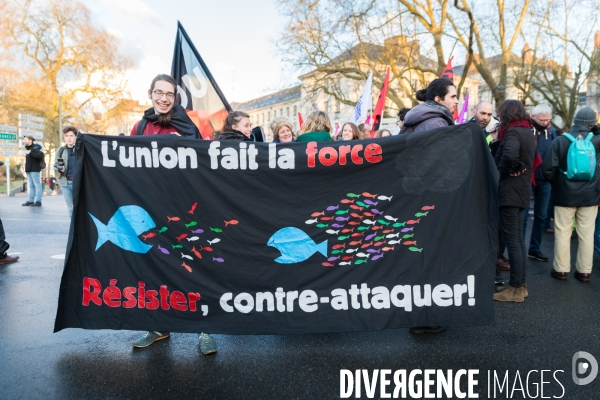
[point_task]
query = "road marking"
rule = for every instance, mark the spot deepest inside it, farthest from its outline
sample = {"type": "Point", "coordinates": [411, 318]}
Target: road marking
{"type": "Point", "coordinates": [58, 257]}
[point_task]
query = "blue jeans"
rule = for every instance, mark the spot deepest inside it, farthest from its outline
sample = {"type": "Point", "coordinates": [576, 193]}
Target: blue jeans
{"type": "Point", "coordinates": [597, 234]}
{"type": "Point", "coordinates": [35, 186]}
{"type": "Point", "coordinates": [541, 200]}
{"type": "Point", "coordinates": [68, 195]}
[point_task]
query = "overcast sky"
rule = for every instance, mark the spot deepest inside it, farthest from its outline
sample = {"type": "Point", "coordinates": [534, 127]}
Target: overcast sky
{"type": "Point", "coordinates": [234, 37]}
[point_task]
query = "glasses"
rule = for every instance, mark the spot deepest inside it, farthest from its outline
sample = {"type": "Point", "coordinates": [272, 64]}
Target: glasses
{"type": "Point", "coordinates": [158, 94]}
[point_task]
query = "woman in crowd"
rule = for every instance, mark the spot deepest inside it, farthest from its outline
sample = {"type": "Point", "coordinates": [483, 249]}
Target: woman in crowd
{"type": "Point", "coordinates": [317, 128]}
{"type": "Point", "coordinates": [514, 158]}
{"type": "Point", "coordinates": [383, 133]}
{"type": "Point", "coordinates": [283, 131]}
{"type": "Point", "coordinates": [436, 112]}
{"type": "Point", "coordinates": [165, 117]}
{"type": "Point", "coordinates": [350, 132]}
{"type": "Point", "coordinates": [237, 126]}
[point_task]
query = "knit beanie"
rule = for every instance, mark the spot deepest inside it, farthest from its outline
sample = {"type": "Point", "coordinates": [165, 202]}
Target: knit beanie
{"type": "Point", "coordinates": [585, 117]}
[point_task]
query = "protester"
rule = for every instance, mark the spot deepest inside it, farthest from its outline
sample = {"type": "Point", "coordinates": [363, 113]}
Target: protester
{"type": "Point", "coordinates": [440, 99]}
{"type": "Point", "coordinates": [237, 126]}
{"type": "Point", "coordinates": [514, 158]}
{"type": "Point", "coordinates": [575, 201]}
{"type": "Point", "coordinates": [34, 163]}
{"type": "Point", "coordinates": [482, 113]}
{"type": "Point", "coordinates": [65, 164]}
{"type": "Point", "coordinates": [165, 117]}
{"type": "Point", "coordinates": [4, 246]}
{"type": "Point", "coordinates": [401, 116]}
{"type": "Point", "coordinates": [365, 131]}
{"type": "Point", "coordinates": [383, 133]}
{"type": "Point", "coordinates": [350, 132]}
{"type": "Point", "coordinates": [317, 128]}
{"type": "Point", "coordinates": [282, 129]}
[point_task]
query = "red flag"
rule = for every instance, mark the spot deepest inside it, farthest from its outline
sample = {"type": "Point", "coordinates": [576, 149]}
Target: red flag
{"type": "Point", "coordinates": [197, 90]}
{"type": "Point", "coordinates": [449, 74]}
{"type": "Point", "coordinates": [378, 111]}
{"type": "Point", "coordinates": [300, 120]}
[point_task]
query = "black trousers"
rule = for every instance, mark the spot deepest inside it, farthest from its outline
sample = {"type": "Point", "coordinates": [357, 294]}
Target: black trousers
{"type": "Point", "coordinates": [511, 230]}
{"type": "Point", "coordinates": [4, 246]}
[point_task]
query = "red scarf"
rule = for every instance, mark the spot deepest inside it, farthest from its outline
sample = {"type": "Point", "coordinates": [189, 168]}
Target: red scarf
{"type": "Point", "coordinates": [523, 123]}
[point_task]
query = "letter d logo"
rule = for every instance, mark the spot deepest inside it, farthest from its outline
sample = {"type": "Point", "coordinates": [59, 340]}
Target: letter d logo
{"type": "Point", "coordinates": [583, 367]}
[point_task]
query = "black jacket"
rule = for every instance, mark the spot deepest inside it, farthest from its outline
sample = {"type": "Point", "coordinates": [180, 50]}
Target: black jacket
{"type": "Point", "coordinates": [568, 193]}
{"type": "Point", "coordinates": [233, 135]}
{"type": "Point", "coordinates": [515, 154]}
{"type": "Point", "coordinates": [544, 142]}
{"type": "Point", "coordinates": [33, 160]}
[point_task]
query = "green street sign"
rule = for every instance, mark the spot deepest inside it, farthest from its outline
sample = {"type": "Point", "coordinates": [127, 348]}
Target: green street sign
{"type": "Point", "coordinates": [8, 136]}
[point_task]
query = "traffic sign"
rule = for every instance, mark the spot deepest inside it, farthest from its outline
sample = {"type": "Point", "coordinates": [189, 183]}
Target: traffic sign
{"type": "Point", "coordinates": [8, 128]}
{"type": "Point", "coordinates": [8, 136]}
{"type": "Point", "coordinates": [31, 118]}
{"type": "Point", "coordinates": [29, 132]}
{"type": "Point", "coordinates": [12, 153]}
{"type": "Point", "coordinates": [32, 125]}
{"type": "Point", "coordinates": [9, 145]}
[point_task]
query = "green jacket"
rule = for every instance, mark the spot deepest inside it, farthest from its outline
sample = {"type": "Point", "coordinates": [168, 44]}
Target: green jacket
{"type": "Point", "coordinates": [64, 154]}
{"type": "Point", "coordinates": [319, 136]}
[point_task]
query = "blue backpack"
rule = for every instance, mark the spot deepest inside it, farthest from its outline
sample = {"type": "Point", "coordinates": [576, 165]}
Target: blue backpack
{"type": "Point", "coordinates": [581, 158]}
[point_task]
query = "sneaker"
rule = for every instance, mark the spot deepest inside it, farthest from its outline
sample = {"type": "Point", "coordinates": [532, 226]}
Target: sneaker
{"type": "Point", "coordinates": [500, 281]}
{"type": "Point", "coordinates": [426, 329]}
{"type": "Point", "coordinates": [149, 338]}
{"type": "Point", "coordinates": [208, 344]}
{"type": "Point", "coordinates": [28, 203]}
{"type": "Point", "coordinates": [37, 204]}
{"type": "Point", "coordinates": [9, 259]}
{"type": "Point", "coordinates": [510, 294]}
{"type": "Point", "coordinates": [537, 255]}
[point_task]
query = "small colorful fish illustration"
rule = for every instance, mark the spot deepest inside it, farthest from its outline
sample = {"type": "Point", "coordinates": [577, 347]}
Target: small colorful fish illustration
{"type": "Point", "coordinates": [216, 230]}
{"type": "Point", "coordinates": [331, 208]}
{"type": "Point", "coordinates": [377, 211]}
{"type": "Point", "coordinates": [369, 222]}
{"type": "Point", "coordinates": [368, 214]}
{"type": "Point", "coordinates": [340, 212]}
{"type": "Point", "coordinates": [367, 194]}
{"type": "Point", "coordinates": [355, 215]}
{"type": "Point", "coordinates": [232, 222]}
{"type": "Point", "coordinates": [379, 243]}
{"type": "Point", "coordinates": [360, 261]}
{"type": "Point", "coordinates": [388, 231]}
{"type": "Point", "coordinates": [363, 228]}
{"type": "Point", "coordinates": [205, 248]}
{"type": "Point", "coordinates": [421, 214]}
{"type": "Point", "coordinates": [360, 203]}
{"type": "Point", "coordinates": [363, 255]}
{"type": "Point", "coordinates": [415, 249]}
{"type": "Point", "coordinates": [394, 241]}
{"type": "Point", "coordinates": [162, 249]}
{"type": "Point", "coordinates": [399, 224]}
{"type": "Point", "coordinates": [192, 239]}
{"type": "Point", "coordinates": [326, 264]}
{"type": "Point", "coordinates": [338, 226]}
{"type": "Point", "coordinates": [397, 235]}
{"type": "Point", "coordinates": [163, 229]}
{"type": "Point", "coordinates": [327, 218]}
{"type": "Point", "coordinates": [388, 248]}
{"type": "Point", "coordinates": [371, 236]}
{"type": "Point", "coordinates": [413, 243]}
{"type": "Point", "coordinates": [342, 218]}
{"type": "Point", "coordinates": [377, 257]}
{"type": "Point", "coordinates": [345, 263]}
{"type": "Point", "coordinates": [408, 236]}
{"type": "Point", "coordinates": [197, 231]}
{"type": "Point", "coordinates": [196, 252]}
{"type": "Point", "coordinates": [378, 238]}
{"type": "Point", "coordinates": [317, 214]}
{"type": "Point", "coordinates": [343, 237]}
{"type": "Point", "coordinates": [193, 208]}
{"type": "Point", "coordinates": [355, 207]}
{"type": "Point", "coordinates": [373, 251]}
{"type": "Point", "coordinates": [351, 250]}
{"type": "Point", "coordinates": [381, 221]}
{"type": "Point", "coordinates": [322, 225]}
{"type": "Point", "coordinates": [186, 256]}
{"type": "Point", "coordinates": [408, 229]}
{"type": "Point", "coordinates": [348, 230]}
{"type": "Point", "coordinates": [211, 242]}
{"type": "Point", "coordinates": [339, 251]}
{"type": "Point", "coordinates": [333, 258]}
{"type": "Point", "coordinates": [413, 221]}
{"type": "Point", "coordinates": [377, 227]}
{"type": "Point", "coordinates": [353, 223]}
{"type": "Point", "coordinates": [373, 203]}
{"type": "Point", "coordinates": [193, 223]}
{"type": "Point", "coordinates": [355, 235]}
{"type": "Point", "coordinates": [218, 259]}
{"type": "Point", "coordinates": [364, 246]}
{"type": "Point", "coordinates": [346, 201]}
{"type": "Point", "coordinates": [427, 208]}
{"type": "Point", "coordinates": [176, 246]}
{"type": "Point", "coordinates": [390, 218]}
{"type": "Point", "coordinates": [311, 221]}
{"type": "Point", "coordinates": [181, 237]}
{"type": "Point", "coordinates": [356, 242]}
{"type": "Point", "coordinates": [332, 232]}
{"type": "Point", "coordinates": [148, 236]}
{"type": "Point", "coordinates": [339, 246]}
{"type": "Point", "coordinates": [169, 219]}
{"type": "Point", "coordinates": [384, 198]}
{"type": "Point", "coordinates": [346, 258]}
{"type": "Point", "coordinates": [352, 195]}
{"type": "Point", "coordinates": [184, 265]}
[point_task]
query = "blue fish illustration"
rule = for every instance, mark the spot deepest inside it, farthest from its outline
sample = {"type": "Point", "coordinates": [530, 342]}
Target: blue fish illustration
{"type": "Point", "coordinates": [124, 227]}
{"type": "Point", "coordinates": [295, 245]}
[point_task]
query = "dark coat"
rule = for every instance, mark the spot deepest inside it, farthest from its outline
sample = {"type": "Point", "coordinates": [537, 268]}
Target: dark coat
{"type": "Point", "coordinates": [568, 193]}
{"type": "Point", "coordinates": [544, 142]}
{"type": "Point", "coordinates": [34, 159]}
{"type": "Point", "coordinates": [233, 135]}
{"type": "Point", "coordinates": [515, 154]}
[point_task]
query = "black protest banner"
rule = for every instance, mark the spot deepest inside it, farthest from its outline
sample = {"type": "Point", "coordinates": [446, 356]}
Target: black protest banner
{"type": "Point", "coordinates": [172, 234]}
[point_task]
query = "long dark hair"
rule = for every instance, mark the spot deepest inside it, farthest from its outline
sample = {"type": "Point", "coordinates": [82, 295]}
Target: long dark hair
{"type": "Point", "coordinates": [512, 113]}
{"type": "Point", "coordinates": [437, 87]}
{"type": "Point", "coordinates": [164, 120]}
{"type": "Point", "coordinates": [233, 118]}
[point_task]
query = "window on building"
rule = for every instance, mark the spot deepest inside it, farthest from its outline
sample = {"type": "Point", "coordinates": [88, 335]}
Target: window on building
{"type": "Point", "coordinates": [520, 96]}
{"type": "Point", "coordinates": [295, 111]}
{"type": "Point", "coordinates": [582, 98]}
{"type": "Point", "coordinates": [263, 117]}
{"type": "Point", "coordinates": [287, 111]}
{"type": "Point", "coordinates": [269, 115]}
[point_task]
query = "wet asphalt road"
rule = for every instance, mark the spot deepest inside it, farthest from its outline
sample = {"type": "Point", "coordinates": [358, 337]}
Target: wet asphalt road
{"type": "Point", "coordinates": [558, 319]}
